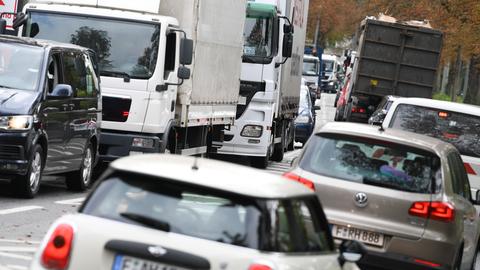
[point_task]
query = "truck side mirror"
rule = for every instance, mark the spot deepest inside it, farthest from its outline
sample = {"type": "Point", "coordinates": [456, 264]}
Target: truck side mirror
{"type": "Point", "coordinates": [61, 91]}
{"type": "Point", "coordinates": [186, 51]}
{"type": "Point", "coordinates": [183, 73]}
{"type": "Point", "coordinates": [3, 26]}
{"type": "Point", "coordinates": [20, 19]}
{"type": "Point", "coordinates": [287, 45]}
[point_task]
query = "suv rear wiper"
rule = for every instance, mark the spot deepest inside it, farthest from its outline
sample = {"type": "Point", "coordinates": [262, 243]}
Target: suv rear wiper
{"type": "Point", "coordinates": [147, 221]}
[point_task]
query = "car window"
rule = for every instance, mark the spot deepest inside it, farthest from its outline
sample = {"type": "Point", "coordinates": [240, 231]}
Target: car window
{"type": "Point", "coordinates": [461, 130]}
{"type": "Point", "coordinates": [460, 183]}
{"type": "Point", "coordinates": [267, 225]}
{"type": "Point", "coordinates": [373, 162]}
{"type": "Point", "coordinates": [75, 73]}
{"type": "Point", "coordinates": [53, 72]}
{"type": "Point", "coordinates": [92, 88]}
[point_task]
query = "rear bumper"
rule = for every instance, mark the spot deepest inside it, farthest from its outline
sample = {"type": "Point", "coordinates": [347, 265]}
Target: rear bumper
{"type": "Point", "coordinates": [381, 261]}
{"type": "Point", "coordinates": [117, 145]}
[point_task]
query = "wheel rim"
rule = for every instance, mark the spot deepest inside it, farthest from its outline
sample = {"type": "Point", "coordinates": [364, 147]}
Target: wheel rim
{"type": "Point", "coordinates": [87, 166]}
{"type": "Point", "coordinates": [36, 171]}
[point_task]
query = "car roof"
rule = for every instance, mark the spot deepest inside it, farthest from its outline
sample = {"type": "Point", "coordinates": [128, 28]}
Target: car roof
{"type": "Point", "coordinates": [440, 104]}
{"type": "Point", "coordinates": [310, 57]}
{"type": "Point", "coordinates": [39, 42]}
{"type": "Point", "coordinates": [213, 174]}
{"type": "Point", "coordinates": [393, 135]}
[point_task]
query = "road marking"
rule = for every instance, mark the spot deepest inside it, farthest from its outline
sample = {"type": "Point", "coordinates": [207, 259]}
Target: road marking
{"type": "Point", "coordinates": [76, 201]}
{"type": "Point", "coordinates": [19, 209]}
{"type": "Point", "coordinates": [16, 267]}
{"type": "Point", "coordinates": [20, 241]}
{"type": "Point", "coordinates": [16, 256]}
{"type": "Point", "coordinates": [18, 249]}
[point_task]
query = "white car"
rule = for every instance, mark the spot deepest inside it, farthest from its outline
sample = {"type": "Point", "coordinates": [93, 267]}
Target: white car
{"type": "Point", "coordinates": [172, 213]}
{"type": "Point", "coordinates": [456, 123]}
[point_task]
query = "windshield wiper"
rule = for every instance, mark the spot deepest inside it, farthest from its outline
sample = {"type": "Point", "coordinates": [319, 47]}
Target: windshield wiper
{"type": "Point", "coordinates": [118, 74]}
{"type": "Point", "coordinates": [147, 221]}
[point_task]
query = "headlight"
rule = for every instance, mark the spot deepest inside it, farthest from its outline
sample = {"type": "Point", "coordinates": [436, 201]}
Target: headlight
{"type": "Point", "coordinates": [252, 131]}
{"type": "Point", "coordinates": [17, 122]}
{"type": "Point", "coordinates": [302, 119]}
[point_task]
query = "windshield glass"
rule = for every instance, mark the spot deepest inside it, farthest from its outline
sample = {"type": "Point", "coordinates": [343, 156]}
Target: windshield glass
{"type": "Point", "coordinates": [257, 37]}
{"type": "Point", "coordinates": [461, 130]}
{"type": "Point", "coordinates": [327, 65]}
{"type": "Point", "coordinates": [372, 162]}
{"type": "Point", "coordinates": [122, 47]}
{"type": "Point", "coordinates": [20, 66]}
{"type": "Point", "coordinates": [270, 225]}
{"type": "Point", "coordinates": [310, 68]}
{"type": "Point", "coordinates": [304, 101]}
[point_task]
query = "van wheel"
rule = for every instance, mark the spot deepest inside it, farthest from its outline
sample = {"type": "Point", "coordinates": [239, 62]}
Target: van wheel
{"type": "Point", "coordinates": [80, 180]}
{"type": "Point", "coordinates": [27, 186]}
{"type": "Point", "coordinates": [259, 162]}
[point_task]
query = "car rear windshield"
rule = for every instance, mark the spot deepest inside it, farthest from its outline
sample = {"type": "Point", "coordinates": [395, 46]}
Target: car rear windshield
{"type": "Point", "coordinates": [286, 225]}
{"type": "Point", "coordinates": [373, 162]}
{"type": "Point", "coordinates": [461, 130]}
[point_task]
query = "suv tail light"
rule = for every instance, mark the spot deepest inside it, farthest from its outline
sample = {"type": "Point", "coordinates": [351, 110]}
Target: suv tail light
{"type": "Point", "coordinates": [259, 267]}
{"type": "Point", "coordinates": [441, 211]}
{"type": "Point", "coordinates": [56, 254]}
{"type": "Point", "coordinates": [356, 109]}
{"type": "Point", "coordinates": [304, 181]}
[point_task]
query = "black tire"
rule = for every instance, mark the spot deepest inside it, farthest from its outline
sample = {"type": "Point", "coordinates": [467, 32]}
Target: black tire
{"type": "Point", "coordinates": [278, 151]}
{"type": "Point", "coordinates": [259, 162]}
{"type": "Point", "coordinates": [27, 186]}
{"type": "Point", "coordinates": [291, 145]}
{"type": "Point", "coordinates": [80, 180]}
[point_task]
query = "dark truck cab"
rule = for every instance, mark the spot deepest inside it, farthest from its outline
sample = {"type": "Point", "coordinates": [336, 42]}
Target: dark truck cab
{"type": "Point", "coordinates": [50, 113]}
{"type": "Point", "coordinates": [394, 58]}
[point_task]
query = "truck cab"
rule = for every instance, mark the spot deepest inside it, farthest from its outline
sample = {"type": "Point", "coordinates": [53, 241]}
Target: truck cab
{"type": "Point", "coordinates": [274, 37]}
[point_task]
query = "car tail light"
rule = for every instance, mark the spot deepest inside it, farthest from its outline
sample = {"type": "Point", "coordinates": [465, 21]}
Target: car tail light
{"type": "Point", "coordinates": [56, 254]}
{"type": "Point", "coordinates": [435, 210]}
{"type": "Point", "coordinates": [304, 181]}
{"type": "Point", "coordinates": [469, 169]}
{"type": "Point", "coordinates": [358, 110]}
{"type": "Point", "coordinates": [259, 267]}
{"type": "Point", "coordinates": [427, 263]}
{"type": "Point", "coordinates": [125, 113]}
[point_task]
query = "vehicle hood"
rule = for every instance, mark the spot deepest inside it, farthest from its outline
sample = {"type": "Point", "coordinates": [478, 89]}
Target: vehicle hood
{"type": "Point", "coordinates": [17, 102]}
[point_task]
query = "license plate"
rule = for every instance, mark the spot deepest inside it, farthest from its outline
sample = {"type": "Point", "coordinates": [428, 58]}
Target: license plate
{"type": "Point", "coordinates": [129, 263]}
{"type": "Point", "coordinates": [350, 233]}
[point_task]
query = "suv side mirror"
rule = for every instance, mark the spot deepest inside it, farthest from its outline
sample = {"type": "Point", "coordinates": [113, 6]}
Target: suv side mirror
{"type": "Point", "coordinates": [186, 51]}
{"type": "Point", "coordinates": [183, 73]}
{"type": "Point", "coordinates": [3, 26]}
{"type": "Point", "coordinates": [20, 19]}
{"type": "Point", "coordinates": [61, 91]}
{"type": "Point", "coordinates": [287, 45]}
{"type": "Point", "coordinates": [351, 251]}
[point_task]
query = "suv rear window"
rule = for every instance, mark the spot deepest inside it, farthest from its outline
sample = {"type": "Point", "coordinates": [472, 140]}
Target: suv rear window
{"type": "Point", "coordinates": [461, 130]}
{"type": "Point", "coordinates": [373, 162]}
{"type": "Point", "coordinates": [286, 225]}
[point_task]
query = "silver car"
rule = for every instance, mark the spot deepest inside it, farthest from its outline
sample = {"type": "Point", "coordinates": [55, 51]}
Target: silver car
{"type": "Point", "coordinates": [174, 213]}
{"type": "Point", "coordinates": [406, 196]}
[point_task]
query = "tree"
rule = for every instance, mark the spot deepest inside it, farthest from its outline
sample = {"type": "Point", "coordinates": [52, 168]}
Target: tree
{"type": "Point", "coordinates": [97, 40]}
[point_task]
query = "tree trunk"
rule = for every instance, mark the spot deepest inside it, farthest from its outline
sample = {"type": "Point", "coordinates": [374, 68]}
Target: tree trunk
{"type": "Point", "coordinates": [471, 97]}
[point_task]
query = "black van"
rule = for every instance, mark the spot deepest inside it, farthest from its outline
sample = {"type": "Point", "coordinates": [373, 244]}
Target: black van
{"type": "Point", "coordinates": [50, 113]}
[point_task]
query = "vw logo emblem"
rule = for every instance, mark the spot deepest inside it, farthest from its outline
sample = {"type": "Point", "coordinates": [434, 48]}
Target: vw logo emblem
{"type": "Point", "coordinates": [157, 251]}
{"type": "Point", "coordinates": [361, 199]}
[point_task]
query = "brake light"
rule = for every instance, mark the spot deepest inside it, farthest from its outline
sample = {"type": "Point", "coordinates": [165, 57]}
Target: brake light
{"type": "Point", "coordinates": [125, 113]}
{"type": "Point", "coordinates": [469, 169]}
{"type": "Point", "coordinates": [309, 184]}
{"type": "Point", "coordinates": [259, 267]}
{"type": "Point", "coordinates": [56, 254]}
{"type": "Point", "coordinates": [435, 210]}
{"type": "Point", "coordinates": [358, 110]}
{"type": "Point", "coordinates": [443, 114]}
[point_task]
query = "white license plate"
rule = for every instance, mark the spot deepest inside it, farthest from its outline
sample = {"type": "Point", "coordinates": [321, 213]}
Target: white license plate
{"type": "Point", "coordinates": [129, 263]}
{"type": "Point", "coordinates": [351, 233]}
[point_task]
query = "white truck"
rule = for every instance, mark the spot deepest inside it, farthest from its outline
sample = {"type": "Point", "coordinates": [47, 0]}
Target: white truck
{"type": "Point", "coordinates": [151, 101]}
{"type": "Point", "coordinates": [274, 40]}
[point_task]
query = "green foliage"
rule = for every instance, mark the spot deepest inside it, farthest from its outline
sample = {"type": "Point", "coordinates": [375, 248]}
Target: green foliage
{"type": "Point", "coordinates": [445, 97]}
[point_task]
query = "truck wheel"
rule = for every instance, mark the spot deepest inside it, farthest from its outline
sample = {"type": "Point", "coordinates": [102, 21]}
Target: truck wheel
{"type": "Point", "coordinates": [27, 186]}
{"type": "Point", "coordinates": [80, 180]}
{"type": "Point", "coordinates": [278, 151]}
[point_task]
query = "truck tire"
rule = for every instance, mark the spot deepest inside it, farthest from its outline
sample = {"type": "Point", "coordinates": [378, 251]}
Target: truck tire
{"type": "Point", "coordinates": [278, 151]}
{"type": "Point", "coordinates": [27, 186]}
{"type": "Point", "coordinates": [80, 180]}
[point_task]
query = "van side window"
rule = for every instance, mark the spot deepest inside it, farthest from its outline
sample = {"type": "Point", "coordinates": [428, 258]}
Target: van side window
{"type": "Point", "coordinates": [53, 72]}
{"type": "Point", "coordinates": [170, 54]}
{"type": "Point", "coordinates": [91, 77]}
{"type": "Point", "coordinates": [75, 73]}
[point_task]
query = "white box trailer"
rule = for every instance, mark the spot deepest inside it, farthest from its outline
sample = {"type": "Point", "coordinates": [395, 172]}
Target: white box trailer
{"type": "Point", "coordinates": [157, 111]}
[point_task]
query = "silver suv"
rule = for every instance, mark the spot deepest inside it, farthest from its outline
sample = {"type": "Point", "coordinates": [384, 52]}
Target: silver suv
{"type": "Point", "coordinates": [406, 196]}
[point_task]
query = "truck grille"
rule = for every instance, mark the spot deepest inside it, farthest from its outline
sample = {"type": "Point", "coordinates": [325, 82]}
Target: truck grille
{"type": "Point", "coordinates": [116, 109]}
{"type": "Point", "coordinates": [247, 90]}
{"type": "Point", "coordinates": [9, 152]}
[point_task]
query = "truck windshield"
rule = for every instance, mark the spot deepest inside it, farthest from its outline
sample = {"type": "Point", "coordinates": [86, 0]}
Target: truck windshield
{"type": "Point", "coordinates": [310, 68]}
{"type": "Point", "coordinates": [257, 37]}
{"type": "Point", "coordinates": [461, 130]}
{"type": "Point", "coordinates": [327, 65]}
{"type": "Point", "coordinates": [122, 47]}
{"type": "Point", "coordinates": [20, 66]}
